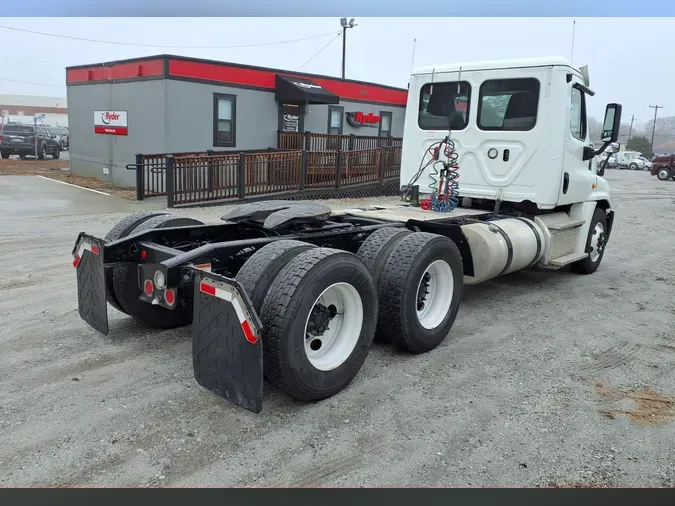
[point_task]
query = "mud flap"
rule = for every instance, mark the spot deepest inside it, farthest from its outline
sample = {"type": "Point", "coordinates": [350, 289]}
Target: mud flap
{"type": "Point", "coordinates": [91, 296]}
{"type": "Point", "coordinates": [227, 352]}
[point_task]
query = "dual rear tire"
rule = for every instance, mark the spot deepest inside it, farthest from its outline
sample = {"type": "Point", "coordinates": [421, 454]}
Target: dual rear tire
{"type": "Point", "coordinates": [321, 308]}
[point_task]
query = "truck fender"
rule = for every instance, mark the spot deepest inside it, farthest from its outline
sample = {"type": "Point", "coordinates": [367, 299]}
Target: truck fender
{"type": "Point", "coordinates": [582, 211]}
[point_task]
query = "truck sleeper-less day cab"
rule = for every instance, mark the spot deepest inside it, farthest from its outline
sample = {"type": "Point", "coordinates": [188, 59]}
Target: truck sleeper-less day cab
{"type": "Point", "coordinates": [297, 293]}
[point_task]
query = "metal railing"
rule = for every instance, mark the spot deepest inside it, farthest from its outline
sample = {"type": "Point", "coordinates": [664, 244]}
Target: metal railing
{"type": "Point", "coordinates": [329, 142]}
{"type": "Point", "coordinates": [188, 178]}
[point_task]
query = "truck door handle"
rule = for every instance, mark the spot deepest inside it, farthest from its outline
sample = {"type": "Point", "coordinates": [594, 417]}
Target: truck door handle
{"type": "Point", "coordinates": [566, 182]}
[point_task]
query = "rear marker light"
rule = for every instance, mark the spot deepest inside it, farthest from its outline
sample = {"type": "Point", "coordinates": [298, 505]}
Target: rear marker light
{"type": "Point", "coordinates": [144, 254]}
{"type": "Point", "coordinates": [148, 287]}
{"type": "Point", "coordinates": [170, 296]}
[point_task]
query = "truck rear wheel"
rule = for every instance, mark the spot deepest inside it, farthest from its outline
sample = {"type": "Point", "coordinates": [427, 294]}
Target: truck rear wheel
{"type": "Point", "coordinates": [663, 174]}
{"type": "Point", "coordinates": [375, 251]}
{"type": "Point", "coordinates": [595, 244]}
{"type": "Point", "coordinates": [420, 292]}
{"type": "Point", "coordinates": [122, 229]}
{"type": "Point", "coordinates": [319, 319]}
{"type": "Point", "coordinates": [260, 271]}
{"type": "Point", "coordinates": [127, 291]}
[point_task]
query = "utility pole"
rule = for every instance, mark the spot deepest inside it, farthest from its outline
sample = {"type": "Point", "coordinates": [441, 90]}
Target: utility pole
{"type": "Point", "coordinates": [630, 130]}
{"type": "Point", "coordinates": [345, 25]}
{"type": "Point", "coordinates": [574, 29]}
{"type": "Point", "coordinates": [656, 109]}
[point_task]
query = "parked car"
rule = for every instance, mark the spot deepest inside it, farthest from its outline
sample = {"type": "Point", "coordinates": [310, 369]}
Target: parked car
{"type": "Point", "coordinates": [20, 139]}
{"type": "Point", "coordinates": [663, 167]}
{"type": "Point", "coordinates": [60, 134]}
{"type": "Point", "coordinates": [647, 164]}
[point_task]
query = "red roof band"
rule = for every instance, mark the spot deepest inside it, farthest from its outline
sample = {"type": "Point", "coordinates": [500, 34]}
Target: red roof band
{"type": "Point", "coordinates": [229, 74]}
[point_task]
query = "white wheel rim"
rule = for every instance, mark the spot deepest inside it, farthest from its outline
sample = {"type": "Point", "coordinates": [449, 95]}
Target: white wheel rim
{"type": "Point", "coordinates": [596, 244]}
{"type": "Point", "coordinates": [330, 345]}
{"type": "Point", "coordinates": [438, 283]}
{"type": "Point", "coordinates": [663, 173]}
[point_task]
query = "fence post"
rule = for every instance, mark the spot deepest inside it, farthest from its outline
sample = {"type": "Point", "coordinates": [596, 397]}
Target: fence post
{"type": "Point", "coordinates": [278, 139]}
{"type": "Point", "coordinates": [340, 161]}
{"type": "Point", "coordinates": [168, 174]}
{"type": "Point", "coordinates": [303, 169]}
{"type": "Point", "coordinates": [350, 146]}
{"type": "Point", "coordinates": [381, 171]}
{"type": "Point", "coordinates": [209, 171]}
{"type": "Point", "coordinates": [140, 177]}
{"type": "Point", "coordinates": [308, 141]}
{"type": "Point", "coordinates": [242, 175]}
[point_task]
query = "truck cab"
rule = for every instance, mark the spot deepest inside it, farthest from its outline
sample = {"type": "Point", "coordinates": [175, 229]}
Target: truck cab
{"type": "Point", "coordinates": [519, 128]}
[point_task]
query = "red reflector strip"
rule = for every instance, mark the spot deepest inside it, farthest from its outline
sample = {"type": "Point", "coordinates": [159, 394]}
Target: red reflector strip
{"type": "Point", "coordinates": [207, 289]}
{"type": "Point", "coordinates": [228, 296]}
{"type": "Point", "coordinates": [76, 261]}
{"type": "Point", "coordinates": [94, 249]}
{"type": "Point", "coordinates": [248, 333]}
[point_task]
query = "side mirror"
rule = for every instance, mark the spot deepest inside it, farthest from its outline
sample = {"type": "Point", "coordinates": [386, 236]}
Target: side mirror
{"type": "Point", "coordinates": [612, 123]}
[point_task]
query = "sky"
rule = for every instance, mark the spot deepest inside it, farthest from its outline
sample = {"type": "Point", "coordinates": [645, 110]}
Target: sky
{"type": "Point", "coordinates": [626, 64]}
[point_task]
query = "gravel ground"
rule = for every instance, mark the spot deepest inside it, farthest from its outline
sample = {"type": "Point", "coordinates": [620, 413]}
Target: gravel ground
{"type": "Point", "coordinates": [547, 379]}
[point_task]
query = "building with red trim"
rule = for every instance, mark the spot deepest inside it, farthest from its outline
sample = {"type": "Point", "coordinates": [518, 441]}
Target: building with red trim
{"type": "Point", "coordinates": [174, 104]}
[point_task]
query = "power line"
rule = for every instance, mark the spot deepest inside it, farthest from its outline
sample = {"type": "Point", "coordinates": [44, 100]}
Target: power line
{"type": "Point", "coordinates": [117, 43]}
{"type": "Point", "coordinates": [30, 82]}
{"type": "Point", "coordinates": [319, 51]}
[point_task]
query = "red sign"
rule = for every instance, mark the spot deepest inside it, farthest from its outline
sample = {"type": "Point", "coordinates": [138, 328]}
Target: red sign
{"type": "Point", "coordinates": [360, 119]}
{"type": "Point", "coordinates": [111, 130]}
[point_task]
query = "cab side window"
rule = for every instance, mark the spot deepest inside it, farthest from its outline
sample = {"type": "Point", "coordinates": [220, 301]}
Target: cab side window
{"type": "Point", "coordinates": [508, 104]}
{"type": "Point", "coordinates": [578, 114]}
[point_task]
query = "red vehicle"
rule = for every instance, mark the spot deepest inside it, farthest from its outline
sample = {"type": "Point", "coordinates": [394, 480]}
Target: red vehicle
{"type": "Point", "coordinates": [663, 167]}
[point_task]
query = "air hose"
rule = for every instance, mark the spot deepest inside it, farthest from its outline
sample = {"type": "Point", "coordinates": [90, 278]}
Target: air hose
{"type": "Point", "coordinates": [444, 185]}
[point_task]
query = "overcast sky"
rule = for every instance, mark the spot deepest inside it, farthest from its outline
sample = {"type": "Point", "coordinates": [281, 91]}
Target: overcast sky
{"type": "Point", "coordinates": [626, 63]}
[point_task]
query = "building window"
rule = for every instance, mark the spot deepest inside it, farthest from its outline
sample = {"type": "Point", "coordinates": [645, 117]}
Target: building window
{"type": "Point", "coordinates": [335, 115]}
{"type": "Point", "coordinates": [578, 114]}
{"type": "Point", "coordinates": [224, 120]}
{"type": "Point", "coordinates": [508, 104]}
{"type": "Point", "coordinates": [385, 124]}
{"type": "Point", "coordinates": [444, 106]}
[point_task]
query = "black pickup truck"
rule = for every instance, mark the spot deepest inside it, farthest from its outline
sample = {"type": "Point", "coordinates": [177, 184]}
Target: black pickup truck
{"type": "Point", "coordinates": [20, 139]}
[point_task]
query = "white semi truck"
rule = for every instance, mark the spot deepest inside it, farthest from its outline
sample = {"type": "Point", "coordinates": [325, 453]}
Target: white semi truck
{"type": "Point", "coordinates": [296, 293]}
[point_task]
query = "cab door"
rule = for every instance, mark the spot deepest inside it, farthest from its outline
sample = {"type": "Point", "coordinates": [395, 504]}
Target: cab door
{"type": "Point", "coordinates": [578, 174]}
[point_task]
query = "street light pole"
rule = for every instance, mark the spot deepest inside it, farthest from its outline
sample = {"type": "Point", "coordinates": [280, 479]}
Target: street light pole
{"type": "Point", "coordinates": [630, 130]}
{"type": "Point", "coordinates": [345, 25]}
{"type": "Point", "coordinates": [656, 109]}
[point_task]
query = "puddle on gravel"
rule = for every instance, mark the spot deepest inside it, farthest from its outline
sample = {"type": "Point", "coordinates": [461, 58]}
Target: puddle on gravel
{"type": "Point", "coordinates": [651, 407]}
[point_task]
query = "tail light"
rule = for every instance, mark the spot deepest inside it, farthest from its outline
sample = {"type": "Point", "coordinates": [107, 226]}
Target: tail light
{"type": "Point", "coordinates": [148, 288]}
{"type": "Point", "coordinates": [170, 296]}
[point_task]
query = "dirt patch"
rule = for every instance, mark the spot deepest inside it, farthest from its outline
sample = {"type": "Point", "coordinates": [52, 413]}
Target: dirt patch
{"type": "Point", "coordinates": [60, 170]}
{"type": "Point", "coordinates": [17, 167]}
{"type": "Point", "coordinates": [651, 408]}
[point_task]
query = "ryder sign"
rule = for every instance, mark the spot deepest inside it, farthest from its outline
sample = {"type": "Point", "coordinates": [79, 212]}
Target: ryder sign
{"type": "Point", "coordinates": [111, 122]}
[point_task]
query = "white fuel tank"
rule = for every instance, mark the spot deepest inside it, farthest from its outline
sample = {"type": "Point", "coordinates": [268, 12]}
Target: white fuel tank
{"type": "Point", "coordinates": [502, 246]}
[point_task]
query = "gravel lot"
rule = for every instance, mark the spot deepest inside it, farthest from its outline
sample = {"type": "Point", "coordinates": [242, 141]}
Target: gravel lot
{"type": "Point", "coordinates": [548, 378]}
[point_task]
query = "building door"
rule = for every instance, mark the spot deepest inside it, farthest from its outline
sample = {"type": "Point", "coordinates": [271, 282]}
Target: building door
{"type": "Point", "coordinates": [335, 127]}
{"type": "Point", "coordinates": [291, 126]}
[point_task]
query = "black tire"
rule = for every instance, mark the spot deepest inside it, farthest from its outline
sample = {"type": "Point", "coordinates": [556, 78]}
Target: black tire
{"type": "Point", "coordinates": [587, 265]}
{"type": "Point", "coordinates": [398, 291]}
{"type": "Point", "coordinates": [4, 154]}
{"type": "Point", "coordinates": [122, 229]}
{"type": "Point", "coordinates": [633, 166]}
{"type": "Point", "coordinates": [41, 152]}
{"type": "Point", "coordinates": [664, 173]}
{"type": "Point", "coordinates": [126, 287]}
{"type": "Point", "coordinates": [375, 251]}
{"type": "Point", "coordinates": [260, 271]}
{"type": "Point", "coordinates": [57, 153]}
{"type": "Point", "coordinates": [284, 314]}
